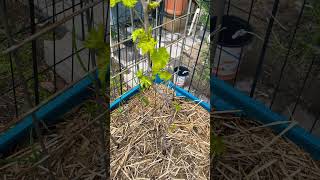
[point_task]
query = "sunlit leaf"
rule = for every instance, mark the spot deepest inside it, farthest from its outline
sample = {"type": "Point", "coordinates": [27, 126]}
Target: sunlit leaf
{"type": "Point", "coordinates": [177, 106]}
{"type": "Point", "coordinates": [159, 58]}
{"type": "Point", "coordinates": [153, 5]}
{"type": "Point", "coordinates": [114, 2]}
{"type": "Point", "coordinates": [164, 75]}
{"type": "Point", "coordinates": [129, 3]}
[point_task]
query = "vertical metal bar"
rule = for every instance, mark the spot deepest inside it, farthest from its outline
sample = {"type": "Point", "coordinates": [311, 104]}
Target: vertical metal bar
{"type": "Point", "coordinates": [119, 53]}
{"type": "Point", "coordinates": [202, 39]}
{"type": "Point", "coordinates": [161, 21]}
{"type": "Point", "coordinates": [250, 12]}
{"type": "Point", "coordinates": [13, 87]}
{"type": "Point", "coordinates": [314, 123]}
{"type": "Point", "coordinates": [134, 45]}
{"type": "Point", "coordinates": [302, 87]}
{"type": "Point", "coordinates": [184, 35]}
{"type": "Point", "coordinates": [264, 48]}
{"type": "Point", "coordinates": [275, 92]}
{"type": "Point", "coordinates": [82, 22]}
{"type": "Point", "coordinates": [202, 69]}
{"type": "Point", "coordinates": [229, 4]}
{"type": "Point", "coordinates": [216, 10]}
{"type": "Point", "coordinates": [238, 68]}
{"type": "Point", "coordinates": [72, 57]}
{"type": "Point", "coordinates": [194, 37]}
{"type": "Point", "coordinates": [12, 73]}
{"type": "Point", "coordinates": [172, 26]}
{"type": "Point", "coordinates": [34, 53]}
{"type": "Point", "coordinates": [54, 46]}
{"type": "Point", "coordinates": [241, 53]}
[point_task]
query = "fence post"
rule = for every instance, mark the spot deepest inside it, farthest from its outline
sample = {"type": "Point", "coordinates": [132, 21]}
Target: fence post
{"type": "Point", "coordinates": [216, 10]}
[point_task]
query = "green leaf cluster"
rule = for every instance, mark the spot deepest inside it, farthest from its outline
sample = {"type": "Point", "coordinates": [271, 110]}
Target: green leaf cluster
{"type": "Point", "coordinates": [144, 40]}
{"type": "Point", "coordinates": [159, 57]}
{"type": "Point", "coordinates": [96, 42]}
{"type": "Point", "coordinates": [127, 3]}
{"type": "Point", "coordinates": [177, 106]}
{"type": "Point", "coordinates": [153, 5]}
{"type": "Point", "coordinates": [145, 81]}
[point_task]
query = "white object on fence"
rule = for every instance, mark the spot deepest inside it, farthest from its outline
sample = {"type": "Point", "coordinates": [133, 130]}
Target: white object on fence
{"type": "Point", "coordinates": [196, 14]}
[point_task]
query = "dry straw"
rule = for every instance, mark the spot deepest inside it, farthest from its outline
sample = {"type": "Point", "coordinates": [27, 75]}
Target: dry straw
{"type": "Point", "coordinates": [139, 126]}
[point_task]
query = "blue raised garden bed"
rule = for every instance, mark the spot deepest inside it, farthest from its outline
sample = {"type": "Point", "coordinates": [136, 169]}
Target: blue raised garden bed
{"type": "Point", "coordinates": [224, 97]}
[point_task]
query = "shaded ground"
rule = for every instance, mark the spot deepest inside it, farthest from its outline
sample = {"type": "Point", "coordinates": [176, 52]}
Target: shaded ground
{"type": "Point", "coordinates": [253, 151]}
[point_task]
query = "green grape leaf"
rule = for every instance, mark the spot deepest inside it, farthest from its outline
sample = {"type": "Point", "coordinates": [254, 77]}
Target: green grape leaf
{"type": "Point", "coordinates": [164, 75]}
{"type": "Point", "coordinates": [139, 74]}
{"type": "Point", "coordinates": [145, 40]}
{"type": "Point", "coordinates": [159, 58]}
{"type": "Point", "coordinates": [145, 82]}
{"type": "Point", "coordinates": [136, 34]}
{"type": "Point", "coordinates": [147, 45]}
{"type": "Point", "coordinates": [114, 2]}
{"type": "Point", "coordinates": [129, 3]}
{"type": "Point", "coordinates": [95, 39]}
{"type": "Point", "coordinates": [153, 5]}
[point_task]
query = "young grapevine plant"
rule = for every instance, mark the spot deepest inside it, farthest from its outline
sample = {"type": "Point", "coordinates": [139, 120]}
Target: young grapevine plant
{"type": "Point", "coordinates": [159, 57]}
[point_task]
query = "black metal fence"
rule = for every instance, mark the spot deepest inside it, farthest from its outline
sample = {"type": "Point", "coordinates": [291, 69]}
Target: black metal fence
{"type": "Point", "coordinates": [185, 37]}
{"type": "Point", "coordinates": [278, 65]}
{"type": "Point", "coordinates": [42, 39]}
{"type": "Point", "coordinates": [277, 58]}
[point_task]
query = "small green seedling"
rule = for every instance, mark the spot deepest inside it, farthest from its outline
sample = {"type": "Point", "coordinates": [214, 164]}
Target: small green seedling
{"type": "Point", "coordinates": [177, 106]}
{"type": "Point", "coordinates": [144, 100]}
{"type": "Point", "coordinates": [172, 128]}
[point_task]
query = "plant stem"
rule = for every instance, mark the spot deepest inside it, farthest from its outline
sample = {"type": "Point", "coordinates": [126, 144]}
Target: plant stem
{"type": "Point", "coordinates": [146, 25]}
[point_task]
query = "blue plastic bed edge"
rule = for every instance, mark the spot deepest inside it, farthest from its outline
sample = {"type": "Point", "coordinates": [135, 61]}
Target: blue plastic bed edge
{"type": "Point", "coordinates": [126, 96]}
{"type": "Point", "coordinates": [254, 109]}
{"type": "Point", "coordinates": [260, 112]}
{"type": "Point", "coordinates": [48, 112]}
{"type": "Point", "coordinates": [180, 92]}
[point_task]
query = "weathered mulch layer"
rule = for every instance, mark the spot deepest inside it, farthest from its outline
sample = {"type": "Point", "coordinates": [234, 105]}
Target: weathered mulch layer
{"type": "Point", "coordinates": [160, 138]}
{"type": "Point", "coordinates": [74, 148]}
{"type": "Point", "coordinates": [254, 151]}
{"type": "Point", "coordinates": [140, 151]}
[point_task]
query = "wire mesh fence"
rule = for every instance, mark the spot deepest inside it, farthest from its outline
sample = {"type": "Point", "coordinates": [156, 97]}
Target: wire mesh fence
{"type": "Point", "coordinates": [185, 37]}
{"type": "Point", "coordinates": [41, 42]}
{"type": "Point", "coordinates": [268, 49]}
{"type": "Point", "coordinates": [47, 54]}
{"type": "Point", "coordinates": [275, 59]}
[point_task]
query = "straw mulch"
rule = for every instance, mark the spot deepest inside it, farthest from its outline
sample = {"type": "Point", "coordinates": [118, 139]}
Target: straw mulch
{"type": "Point", "coordinates": [154, 141]}
{"type": "Point", "coordinates": [74, 152]}
{"type": "Point", "coordinates": [253, 151]}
